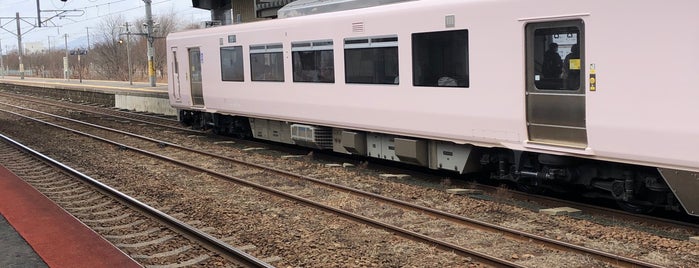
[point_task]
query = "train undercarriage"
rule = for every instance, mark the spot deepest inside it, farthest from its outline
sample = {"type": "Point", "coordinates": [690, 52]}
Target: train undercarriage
{"type": "Point", "coordinates": [638, 189]}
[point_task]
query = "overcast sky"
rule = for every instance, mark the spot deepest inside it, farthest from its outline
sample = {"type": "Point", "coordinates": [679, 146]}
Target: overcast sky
{"type": "Point", "coordinates": [75, 26]}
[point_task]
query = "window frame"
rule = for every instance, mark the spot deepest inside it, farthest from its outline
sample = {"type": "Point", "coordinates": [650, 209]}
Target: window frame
{"type": "Point", "coordinates": [465, 77]}
{"type": "Point", "coordinates": [241, 64]}
{"type": "Point", "coordinates": [530, 61]}
{"type": "Point", "coordinates": [317, 46]}
{"type": "Point", "coordinates": [276, 49]}
{"type": "Point", "coordinates": [375, 43]}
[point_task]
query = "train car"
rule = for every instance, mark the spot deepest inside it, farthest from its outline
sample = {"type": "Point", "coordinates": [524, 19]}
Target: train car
{"type": "Point", "coordinates": [596, 96]}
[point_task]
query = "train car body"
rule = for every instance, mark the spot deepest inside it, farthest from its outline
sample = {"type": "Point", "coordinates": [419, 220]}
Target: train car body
{"type": "Point", "coordinates": [468, 85]}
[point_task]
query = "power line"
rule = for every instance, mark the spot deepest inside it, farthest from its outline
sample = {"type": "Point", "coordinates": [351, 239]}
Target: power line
{"type": "Point", "coordinates": [105, 4]}
{"type": "Point", "coordinates": [80, 32]}
{"type": "Point", "coordinates": [114, 12]}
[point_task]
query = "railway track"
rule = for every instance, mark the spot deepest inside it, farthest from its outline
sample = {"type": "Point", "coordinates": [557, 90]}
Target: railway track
{"type": "Point", "coordinates": [603, 214]}
{"type": "Point", "coordinates": [600, 211]}
{"type": "Point", "coordinates": [548, 201]}
{"type": "Point", "coordinates": [111, 113]}
{"type": "Point", "coordinates": [132, 226]}
{"type": "Point", "coordinates": [272, 185]}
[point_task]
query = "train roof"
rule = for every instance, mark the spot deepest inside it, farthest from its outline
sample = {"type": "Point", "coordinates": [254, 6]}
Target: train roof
{"type": "Point", "coordinates": [309, 7]}
{"type": "Point", "coordinates": [277, 23]}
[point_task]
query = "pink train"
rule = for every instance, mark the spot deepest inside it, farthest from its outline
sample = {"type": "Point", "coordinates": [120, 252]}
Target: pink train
{"type": "Point", "coordinates": [596, 96]}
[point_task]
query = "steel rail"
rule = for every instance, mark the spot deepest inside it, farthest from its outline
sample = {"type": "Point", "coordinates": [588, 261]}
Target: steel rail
{"type": "Point", "coordinates": [446, 246]}
{"type": "Point", "coordinates": [9, 95]}
{"type": "Point", "coordinates": [607, 257]}
{"type": "Point", "coordinates": [543, 199]}
{"type": "Point", "coordinates": [205, 239]}
{"type": "Point", "coordinates": [592, 209]}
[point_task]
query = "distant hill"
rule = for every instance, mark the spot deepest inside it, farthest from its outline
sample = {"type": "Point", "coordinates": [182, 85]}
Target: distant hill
{"type": "Point", "coordinates": [80, 42]}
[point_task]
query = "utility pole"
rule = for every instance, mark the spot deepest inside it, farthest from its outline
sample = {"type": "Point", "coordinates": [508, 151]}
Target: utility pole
{"type": "Point", "coordinates": [2, 65]}
{"type": "Point", "coordinates": [80, 67]}
{"type": "Point", "coordinates": [88, 37]}
{"type": "Point", "coordinates": [19, 46]}
{"type": "Point", "coordinates": [128, 51]}
{"type": "Point", "coordinates": [87, 66]}
{"type": "Point", "coordinates": [38, 12]}
{"type": "Point", "coordinates": [47, 22]}
{"type": "Point", "coordinates": [150, 38]}
{"type": "Point", "coordinates": [65, 60]}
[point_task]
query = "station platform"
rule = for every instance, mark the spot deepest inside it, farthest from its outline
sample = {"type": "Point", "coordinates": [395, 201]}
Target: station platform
{"type": "Point", "coordinates": [139, 97]}
{"type": "Point", "coordinates": [35, 232]}
{"type": "Point", "coordinates": [75, 84]}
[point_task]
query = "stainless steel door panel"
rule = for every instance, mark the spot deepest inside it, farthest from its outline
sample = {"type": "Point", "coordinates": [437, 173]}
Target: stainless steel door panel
{"type": "Point", "coordinates": [558, 135]}
{"type": "Point", "coordinates": [555, 84]}
{"type": "Point", "coordinates": [175, 76]}
{"type": "Point", "coordinates": [195, 77]}
{"type": "Point", "coordinates": [563, 110]}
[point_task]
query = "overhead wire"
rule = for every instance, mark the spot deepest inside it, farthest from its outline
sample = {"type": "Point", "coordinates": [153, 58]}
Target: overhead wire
{"type": "Point", "coordinates": [115, 12]}
{"type": "Point", "coordinates": [73, 21]}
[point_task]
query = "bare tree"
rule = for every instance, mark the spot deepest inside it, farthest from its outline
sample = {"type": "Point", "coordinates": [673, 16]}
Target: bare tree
{"type": "Point", "coordinates": [164, 24]}
{"type": "Point", "coordinates": [107, 58]}
{"type": "Point", "coordinates": [108, 54]}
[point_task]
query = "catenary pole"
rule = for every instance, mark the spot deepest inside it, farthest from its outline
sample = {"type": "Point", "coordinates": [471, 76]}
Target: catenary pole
{"type": "Point", "coordinates": [38, 13]}
{"type": "Point", "coordinates": [88, 37]}
{"type": "Point", "coordinates": [65, 60]}
{"type": "Point", "coordinates": [2, 65]}
{"type": "Point", "coordinates": [128, 52]}
{"type": "Point", "coordinates": [19, 47]}
{"type": "Point", "coordinates": [149, 38]}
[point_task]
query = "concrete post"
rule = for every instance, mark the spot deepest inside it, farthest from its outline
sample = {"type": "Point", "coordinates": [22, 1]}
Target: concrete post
{"type": "Point", "coordinates": [150, 38]}
{"type": "Point", "coordinates": [19, 47]}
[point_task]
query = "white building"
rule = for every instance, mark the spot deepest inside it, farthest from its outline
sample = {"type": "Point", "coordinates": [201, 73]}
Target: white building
{"type": "Point", "coordinates": [33, 47]}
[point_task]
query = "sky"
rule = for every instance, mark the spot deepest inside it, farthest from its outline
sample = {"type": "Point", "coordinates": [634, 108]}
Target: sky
{"type": "Point", "coordinates": [78, 23]}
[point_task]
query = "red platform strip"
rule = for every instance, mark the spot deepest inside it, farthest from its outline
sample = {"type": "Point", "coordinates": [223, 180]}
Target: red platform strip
{"type": "Point", "coordinates": [58, 238]}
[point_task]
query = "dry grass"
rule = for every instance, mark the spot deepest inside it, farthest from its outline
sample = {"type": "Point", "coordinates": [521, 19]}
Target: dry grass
{"type": "Point", "coordinates": [501, 200]}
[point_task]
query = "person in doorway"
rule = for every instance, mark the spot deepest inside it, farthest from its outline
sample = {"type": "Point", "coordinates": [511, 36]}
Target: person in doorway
{"type": "Point", "coordinates": [571, 65]}
{"type": "Point", "coordinates": [552, 62]}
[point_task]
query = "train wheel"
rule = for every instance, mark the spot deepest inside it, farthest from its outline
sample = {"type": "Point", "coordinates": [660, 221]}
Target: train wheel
{"type": "Point", "coordinates": [529, 188]}
{"type": "Point", "coordinates": [634, 207]}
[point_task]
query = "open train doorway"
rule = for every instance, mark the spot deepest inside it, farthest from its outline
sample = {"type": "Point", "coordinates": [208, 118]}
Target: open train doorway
{"type": "Point", "coordinates": [176, 76]}
{"type": "Point", "coordinates": [195, 76]}
{"type": "Point", "coordinates": [555, 89]}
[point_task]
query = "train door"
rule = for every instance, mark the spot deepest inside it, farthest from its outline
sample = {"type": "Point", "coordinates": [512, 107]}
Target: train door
{"type": "Point", "coordinates": [555, 89]}
{"type": "Point", "coordinates": [175, 75]}
{"type": "Point", "coordinates": [195, 77]}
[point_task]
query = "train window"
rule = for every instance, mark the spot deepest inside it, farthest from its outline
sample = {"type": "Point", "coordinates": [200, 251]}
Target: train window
{"type": "Point", "coordinates": [556, 54]}
{"type": "Point", "coordinates": [232, 64]}
{"type": "Point", "coordinates": [440, 59]}
{"type": "Point", "coordinates": [267, 62]}
{"type": "Point", "coordinates": [371, 60]}
{"type": "Point", "coordinates": [313, 61]}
